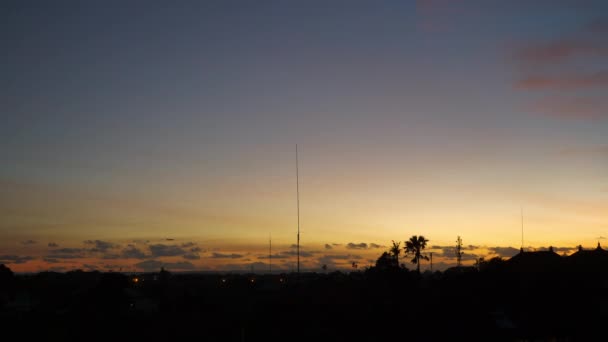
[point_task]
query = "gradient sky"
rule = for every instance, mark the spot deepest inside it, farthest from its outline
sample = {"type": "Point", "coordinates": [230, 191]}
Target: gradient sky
{"type": "Point", "coordinates": [145, 133]}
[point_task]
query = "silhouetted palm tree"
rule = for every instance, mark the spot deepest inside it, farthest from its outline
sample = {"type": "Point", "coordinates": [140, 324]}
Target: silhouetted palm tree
{"type": "Point", "coordinates": [395, 251]}
{"type": "Point", "coordinates": [414, 246]}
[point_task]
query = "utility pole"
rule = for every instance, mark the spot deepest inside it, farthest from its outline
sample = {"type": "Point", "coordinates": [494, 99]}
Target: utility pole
{"type": "Point", "coordinates": [458, 251]}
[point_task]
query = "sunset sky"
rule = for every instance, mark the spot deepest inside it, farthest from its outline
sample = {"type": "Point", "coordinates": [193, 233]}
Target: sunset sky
{"type": "Point", "coordinates": [140, 134]}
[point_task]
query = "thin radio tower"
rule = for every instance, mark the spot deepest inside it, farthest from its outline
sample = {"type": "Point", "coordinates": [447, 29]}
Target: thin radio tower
{"type": "Point", "coordinates": [522, 229]}
{"type": "Point", "coordinates": [298, 205]}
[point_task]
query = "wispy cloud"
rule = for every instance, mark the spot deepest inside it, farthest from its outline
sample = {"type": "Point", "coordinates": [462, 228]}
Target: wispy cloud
{"type": "Point", "coordinates": [503, 251]}
{"type": "Point", "coordinates": [564, 82]}
{"type": "Point", "coordinates": [216, 255]}
{"type": "Point", "coordinates": [14, 259]}
{"type": "Point", "coordinates": [191, 256]}
{"type": "Point", "coordinates": [547, 67]}
{"type": "Point", "coordinates": [132, 252]}
{"type": "Point", "coordinates": [29, 242]}
{"type": "Point", "coordinates": [360, 245]}
{"type": "Point", "coordinates": [160, 250]}
{"type": "Point", "coordinates": [560, 51]}
{"type": "Point", "coordinates": [100, 246]}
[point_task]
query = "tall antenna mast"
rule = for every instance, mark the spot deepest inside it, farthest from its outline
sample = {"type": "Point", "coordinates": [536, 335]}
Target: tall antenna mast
{"type": "Point", "coordinates": [270, 253]}
{"type": "Point", "coordinates": [298, 205]}
{"type": "Point", "coordinates": [522, 229]}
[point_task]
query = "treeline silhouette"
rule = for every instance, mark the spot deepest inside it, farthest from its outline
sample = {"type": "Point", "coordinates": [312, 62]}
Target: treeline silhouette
{"type": "Point", "coordinates": [538, 296]}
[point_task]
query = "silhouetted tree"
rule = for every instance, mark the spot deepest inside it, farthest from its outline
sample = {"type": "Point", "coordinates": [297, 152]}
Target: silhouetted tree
{"type": "Point", "coordinates": [414, 246]}
{"type": "Point", "coordinates": [396, 251]}
{"type": "Point", "coordinates": [7, 279]}
{"type": "Point", "coordinates": [386, 262]}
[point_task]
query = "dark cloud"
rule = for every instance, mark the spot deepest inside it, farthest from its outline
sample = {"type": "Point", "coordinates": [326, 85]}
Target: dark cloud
{"type": "Point", "coordinates": [304, 254]}
{"type": "Point", "coordinates": [111, 256]}
{"type": "Point", "coordinates": [90, 267]}
{"type": "Point", "coordinates": [332, 260]}
{"type": "Point", "coordinates": [14, 259]}
{"type": "Point", "coordinates": [68, 251]}
{"type": "Point", "coordinates": [100, 246]}
{"type": "Point", "coordinates": [52, 260]}
{"type": "Point", "coordinates": [361, 245]}
{"type": "Point", "coordinates": [29, 242]}
{"type": "Point", "coordinates": [195, 250]}
{"type": "Point", "coordinates": [504, 251]}
{"type": "Point", "coordinates": [373, 245]}
{"type": "Point", "coordinates": [132, 252]}
{"type": "Point", "coordinates": [328, 246]}
{"type": "Point", "coordinates": [66, 256]}
{"type": "Point", "coordinates": [161, 250]}
{"type": "Point", "coordinates": [469, 256]}
{"type": "Point", "coordinates": [557, 249]}
{"type": "Point", "coordinates": [275, 256]}
{"type": "Point", "coordinates": [191, 256]}
{"type": "Point", "coordinates": [170, 239]}
{"type": "Point", "coordinates": [188, 244]}
{"type": "Point", "coordinates": [216, 255]}
{"type": "Point", "coordinates": [53, 245]}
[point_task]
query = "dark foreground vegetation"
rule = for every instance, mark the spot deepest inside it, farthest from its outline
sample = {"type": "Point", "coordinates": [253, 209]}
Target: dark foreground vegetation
{"type": "Point", "coordinates": [533, 296]}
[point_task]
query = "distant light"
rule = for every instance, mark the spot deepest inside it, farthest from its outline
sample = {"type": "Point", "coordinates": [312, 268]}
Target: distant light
{"type": "Point", "coordinates": [223, 280]}
{"type": "Point", "coordinates": [252, 280]}
{"type": "Point", "coordinates": [281, 280]}
{"type": "Point", "coordinates": [135, 280]}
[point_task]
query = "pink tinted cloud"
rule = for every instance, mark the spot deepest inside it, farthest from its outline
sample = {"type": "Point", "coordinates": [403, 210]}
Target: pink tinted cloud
{"type": "Point", "coordinates": [571, 107]}
{"type": "Point", "coordinates": [573, 81]}
{"type": "Point", "coordinates": [560, 50]}
{"type": "Point", "coordinates": [588, 41]}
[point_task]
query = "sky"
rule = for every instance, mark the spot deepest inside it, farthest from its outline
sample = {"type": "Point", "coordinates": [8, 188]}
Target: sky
{"type": "Point", "coordinates": [143, 134]}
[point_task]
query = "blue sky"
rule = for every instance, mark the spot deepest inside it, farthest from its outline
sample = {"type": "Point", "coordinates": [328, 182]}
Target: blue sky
{"type": "Point", "coordinates": [149, 119]}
